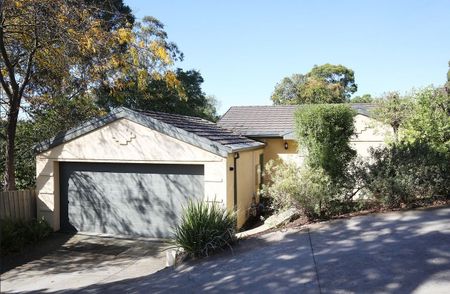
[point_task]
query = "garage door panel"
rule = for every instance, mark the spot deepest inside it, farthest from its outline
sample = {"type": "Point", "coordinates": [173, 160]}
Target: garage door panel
{"type": "Point", "coordinates": [128, 199]}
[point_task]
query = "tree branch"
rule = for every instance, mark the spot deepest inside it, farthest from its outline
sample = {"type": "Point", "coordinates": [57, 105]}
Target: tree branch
{"type": "Point", "coordinates": [5, 85]}
{"type": "Point", "coordinates": [8, 64]}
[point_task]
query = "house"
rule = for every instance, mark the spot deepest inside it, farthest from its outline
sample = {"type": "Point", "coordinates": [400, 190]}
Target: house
{"type": "Point", "coordinates": [274, 126]}
{"type": "Point", "coordinates": [131, 172]}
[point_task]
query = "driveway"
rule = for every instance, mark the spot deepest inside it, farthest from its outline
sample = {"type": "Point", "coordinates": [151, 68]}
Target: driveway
{"type": "Point", "coordinates": [70, 262]}
{"type": "Point", "coordinates": [397, 252]}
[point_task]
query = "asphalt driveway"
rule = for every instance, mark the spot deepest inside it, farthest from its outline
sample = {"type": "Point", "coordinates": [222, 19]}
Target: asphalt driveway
{"type": "Point", "coordinates": [397, 252]}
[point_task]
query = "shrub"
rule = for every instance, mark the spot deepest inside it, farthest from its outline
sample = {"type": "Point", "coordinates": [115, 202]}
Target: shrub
{"type": "Point", "coordinates": [405, 172]}
{"type": "Point", "coordinates": [16, 234]}
{"type": "Point", "coordinates": [429, 120]}
{"type": "Point", "coordinates": [311, 190]}
{"type": "Point", "coordinates": [205, 228]}
{"type": "Point", "coordinates": [316, 191]}
{"type": "Point", "coordinates": [283, 186]}
{"type": "Point", "coordinates": [325, 131]}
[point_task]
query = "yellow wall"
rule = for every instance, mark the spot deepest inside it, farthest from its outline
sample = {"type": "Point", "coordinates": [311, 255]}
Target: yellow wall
{"type": "Point", "coordinates": [275, 150]}
{"type": "Point", "coordinates": [123, 141]}
{"type": "Point", "coordinates": [248, 177]}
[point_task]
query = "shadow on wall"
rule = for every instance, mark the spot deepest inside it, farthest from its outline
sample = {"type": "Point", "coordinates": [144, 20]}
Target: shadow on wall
{"type": "Point", "coordinates": [380, 253]}
{"type": "Point", "coordinates": [127, 199]}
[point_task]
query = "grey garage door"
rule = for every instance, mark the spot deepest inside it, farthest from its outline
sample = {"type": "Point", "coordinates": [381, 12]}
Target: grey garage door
{"type": "Point", "coordinates": [126, 199]}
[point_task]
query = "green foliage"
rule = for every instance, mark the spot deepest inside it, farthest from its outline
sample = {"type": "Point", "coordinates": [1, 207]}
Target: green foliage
{"type": "Point", "coordinates": [429, 119]}
{"type": "Point", "coordinates": [339, 79]}
{"type": "Point", "coordinates": [69, 50]}
{"type": "Point", "coordinates": [392, 110]}
{"type": "Point", "coordinates": [316, 190]}
{"type": "Point", "coordinates": [283, 185]}
{"type": "Point", "coordinates": [205, 228]}
{"type": "Point", "coordinates": [45, 121]}
{"type": "Point", "coordinates": [287, 91]}
{"type": "Point", "coordinates": [186, 98]}
{"type": "Point", "coordinates": [16, 234]}
{"type": "Point", "coordinates": [325, 131]}
{"type": "Point", "coordinates": [403, 173]}
{"type": "Point", "coordinates": [323, 84]}
{"type": "Point", "coordinates": [447, 84]}
{"type": "Point", "coordinates": [366, 98]}
{"type": "Point", "coordinates": [311, 190]}
{"type": "Point", "coordinates": [324, 183]}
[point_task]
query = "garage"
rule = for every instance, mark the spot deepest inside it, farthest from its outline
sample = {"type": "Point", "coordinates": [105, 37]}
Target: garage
{"type": "Point", "coordinates": [126, 199]}
{"type": "Point", "coordinates": [130, 172]}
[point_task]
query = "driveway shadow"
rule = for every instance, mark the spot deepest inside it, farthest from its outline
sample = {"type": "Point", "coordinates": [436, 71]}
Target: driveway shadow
{"type": "Point", "coordinates": [256, 265]}
{"type": "Point", "coordinates": [72, 261]}
{"type": "Point", "coordinates": [385, 253]}
{"type": "Point", "coordinates": [34, 252]}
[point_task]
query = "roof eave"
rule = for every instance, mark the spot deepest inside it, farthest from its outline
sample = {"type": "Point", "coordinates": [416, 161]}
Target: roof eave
{"type": "Point", "coordinates": [247, 147]}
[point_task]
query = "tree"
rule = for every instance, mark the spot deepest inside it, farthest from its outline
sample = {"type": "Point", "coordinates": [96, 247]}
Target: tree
{"type": "Point", "coordinates": [286, 92]}
{"type": "Point", "coordinates": [392, 110]}
{"type": "Point", "coordinates": [65, 49]}
{"type": "Point", "coordinates": [366, 98]}
{"type": "Point", "coordinates": [45, 123]}
{"type": "Point", "coordinates": [323, 84]}
{"type": "Point", "coordinates": [447, 85]}
{"type": "Point", "coordinates": [186, 98]}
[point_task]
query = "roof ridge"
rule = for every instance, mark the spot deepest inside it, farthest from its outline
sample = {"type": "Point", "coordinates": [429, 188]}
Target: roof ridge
{"type": "Point", "coordinates": [171, 114]}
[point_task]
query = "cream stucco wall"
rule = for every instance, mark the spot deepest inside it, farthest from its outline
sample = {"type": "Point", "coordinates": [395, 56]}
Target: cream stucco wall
{"type": "Point", "coordinates": [248, 179]}
{"type": "Point", "coordinates": [124, 141]}
{"type": "Point", "coordinates": [369, 133]}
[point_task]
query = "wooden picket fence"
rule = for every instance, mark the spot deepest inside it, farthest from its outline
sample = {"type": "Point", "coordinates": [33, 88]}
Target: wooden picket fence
{"type": "Point", "coordinates": [18, 204]}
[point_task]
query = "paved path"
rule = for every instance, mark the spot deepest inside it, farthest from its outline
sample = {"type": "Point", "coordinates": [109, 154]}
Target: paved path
{"type": "Point", "coordinates": [398, 252]}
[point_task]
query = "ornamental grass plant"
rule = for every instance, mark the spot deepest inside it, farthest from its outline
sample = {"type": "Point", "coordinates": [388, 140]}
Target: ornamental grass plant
{"type": "Point", "coordinates": [205, 228]}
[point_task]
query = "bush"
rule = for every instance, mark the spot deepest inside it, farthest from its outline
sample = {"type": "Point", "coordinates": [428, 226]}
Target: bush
{"type": "Point", "coordinates": [282, 187]}
{"type": "Point", "coordinates": [316, 192]}
{"type": "Point", "coordinates": [311, 190]}
{"type": "Point", "coordinates": [205, 228]}
{"type": "Point", "coordinates": [429, 119]}
{"type": "Point", "coordinates": [406, 172]}
{"type": "Point", "coordinates": [16, 234]}
{"type": "Point", "coordinates": [325, 131]}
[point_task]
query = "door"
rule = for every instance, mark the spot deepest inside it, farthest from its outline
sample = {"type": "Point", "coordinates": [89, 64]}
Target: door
{"type": "Point", "coordinates": [127, 199]}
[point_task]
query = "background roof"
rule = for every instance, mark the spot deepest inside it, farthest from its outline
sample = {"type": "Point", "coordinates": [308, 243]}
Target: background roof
{"type": "Point", "coordinates": [270, 121]}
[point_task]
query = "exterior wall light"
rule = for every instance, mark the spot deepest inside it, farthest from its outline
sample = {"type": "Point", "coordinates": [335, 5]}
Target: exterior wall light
{"type": "Point", "coordinates": [286, 146]}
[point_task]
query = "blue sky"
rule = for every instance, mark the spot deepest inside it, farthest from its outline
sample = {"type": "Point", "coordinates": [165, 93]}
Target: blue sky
{"type": "Point", "coordinates": [243, 48]}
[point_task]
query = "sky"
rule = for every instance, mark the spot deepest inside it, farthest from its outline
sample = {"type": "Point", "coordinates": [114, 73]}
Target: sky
{"type": "Point", "coordinates": [244, 48]}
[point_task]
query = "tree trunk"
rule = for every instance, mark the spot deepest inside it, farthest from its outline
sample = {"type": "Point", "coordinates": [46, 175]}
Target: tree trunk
{"type": "Point", "coordinates": [9, 180]}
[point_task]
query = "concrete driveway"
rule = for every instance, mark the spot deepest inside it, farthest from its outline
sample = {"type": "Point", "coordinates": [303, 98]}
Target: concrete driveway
{"type": "Point", "coordinates": [397, 252]}
{"type": "Point", "coordinates": [70, 262]}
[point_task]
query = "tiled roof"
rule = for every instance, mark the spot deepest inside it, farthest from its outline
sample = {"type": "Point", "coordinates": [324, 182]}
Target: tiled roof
{"type": "Point", "coordinates": [205, 129]}
{"type": "Point", "coordinates": [256, 121]}
{"type": "Point", "coordinates": [193, 130]}
{"type": "Point", "coordinates": [269, 121]}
